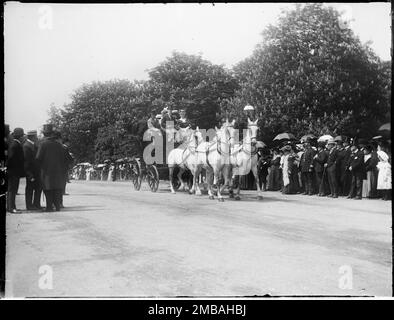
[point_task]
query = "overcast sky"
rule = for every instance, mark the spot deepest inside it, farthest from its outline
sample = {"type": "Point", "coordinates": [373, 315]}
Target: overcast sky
{"type": "Point", "coordinates": [51, 50]}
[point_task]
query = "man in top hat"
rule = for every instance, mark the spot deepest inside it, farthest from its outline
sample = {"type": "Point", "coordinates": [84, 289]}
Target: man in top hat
{"type": "Point", "coordinates": [32, 170]}
{"type": "Point", "coordinates": [331, 168]}
{"type": "Point", "coordinates": [306, 166]}
{"type": "Point", "coordinates": [15, 168]}
{"type": "Point", "coordinates": [242, 123]}
{"type": "Point", "coordinates": [53, 161]}
{"type": "Point", "coordinates": [340, 170]}
{"type": "Point", "coordinates": [319, 161]}
{"type": "Point", "coordinates": [357, 170]}
{"type": "Point", "coordinates": [69, 161]}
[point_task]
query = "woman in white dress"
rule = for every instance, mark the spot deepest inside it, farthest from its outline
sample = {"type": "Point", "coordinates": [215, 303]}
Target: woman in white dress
{"type": "Point", "coordinates": [384, 175]}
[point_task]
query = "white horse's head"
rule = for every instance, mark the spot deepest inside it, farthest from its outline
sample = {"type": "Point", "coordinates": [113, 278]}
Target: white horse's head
{"type": "Point", "coordinates": [229, 126]}
{"type": "Point", "coordinates": [183, 134]}
{"type": "Point", "coordinates": [195, 138]}
{"type": "Point", "coordinates": [253, 128]}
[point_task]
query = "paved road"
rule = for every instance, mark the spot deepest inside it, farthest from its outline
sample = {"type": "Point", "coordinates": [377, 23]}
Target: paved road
{"type": "Point", "coordinates": [114, 241]}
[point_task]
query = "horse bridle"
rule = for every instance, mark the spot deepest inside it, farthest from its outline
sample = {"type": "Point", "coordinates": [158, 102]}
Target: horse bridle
{"type": "Point", "coordinates": [219, 143]}
{"type": "Point", "coordinates": [251, 153]}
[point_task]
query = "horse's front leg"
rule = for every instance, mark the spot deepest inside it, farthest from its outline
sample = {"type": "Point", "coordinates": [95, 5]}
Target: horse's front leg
{"type": "Point", "coordinates": [196, 180]}
{"type": "Point", "coordinates": [209, 179]}
{"type": "Point", "coordinates": [237, 181]}
{"type": "Point", "coordinates": [218, 180]}
{"type": "Point", "coordinates": [171, 176]}
{"type": "Point", "coordinates": [179, 176]}
{"type": "Point", "coordinates": [226, 180]}
{"type": "Point", "coordinates": [230, 182]}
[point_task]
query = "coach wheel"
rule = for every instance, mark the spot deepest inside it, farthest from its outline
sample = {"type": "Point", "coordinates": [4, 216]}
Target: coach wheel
{"type": "Point", "coordinates": [152, 178]}
{"type": "Point", "coordinates": [136, 174]}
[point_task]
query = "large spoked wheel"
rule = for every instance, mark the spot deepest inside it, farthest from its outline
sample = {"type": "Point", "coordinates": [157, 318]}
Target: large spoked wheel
{"type": "Point", "coordinates": [136, 174]}
{"type": "Point", "coordinates": [152, 177]}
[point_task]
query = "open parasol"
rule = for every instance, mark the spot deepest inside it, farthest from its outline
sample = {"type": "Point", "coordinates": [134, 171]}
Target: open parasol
{"type": "Point", "coordinates": [386, 126]}
{"type": "Point", "coordinates": [310, 136]}
{"type": "Point", "coordinates": [326, 137]}
{"type": "Point", "coordinates": [285, 136]}
{"type": "Point", "coordinates": [260, 144]}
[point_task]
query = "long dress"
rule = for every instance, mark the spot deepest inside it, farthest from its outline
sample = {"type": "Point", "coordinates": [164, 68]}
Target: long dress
{"type": "Point", "coordinates": [284, 164]}
{"type": "Point", "coordinates": [293, 167]}
{"type": "Point", "coordinates": [384, 175]}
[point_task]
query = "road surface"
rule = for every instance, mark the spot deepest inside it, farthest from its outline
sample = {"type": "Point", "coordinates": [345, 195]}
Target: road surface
{"type": "Point", "coordinates": [112, 241]}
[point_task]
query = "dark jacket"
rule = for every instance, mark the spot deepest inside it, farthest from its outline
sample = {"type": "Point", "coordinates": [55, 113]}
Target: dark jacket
{"type": "Point", "coordinates": [275, 162]}
{"type": "Point", "coordinates": [357, 164]}
{"type": "Point", "coordinates": [31, 165]}
{"type": "Point", "coordinates": [320, 160]}
{"type": "Point", "coordinates": [345, 160]}
{"type": "Point", "coordinates": [307, 160]}
{"type": "Point", "coordinates": [53, 164]}
{"type": "Point", "coordinates": [341, 154]}
{"type": "Point", "coordinates": [69, 158]}
{"type": "Point", "coordinates": [370, 164]}
{"type": "Point", "coordinates": [332, 157]}
{"type": "Point", "coordinates": [16, 159]}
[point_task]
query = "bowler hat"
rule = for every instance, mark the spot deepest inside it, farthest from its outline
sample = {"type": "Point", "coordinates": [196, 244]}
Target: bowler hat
{"type": "Point", "coordinates": [31, 133]}
{"type": "Point", "coordinates": [18, 132]}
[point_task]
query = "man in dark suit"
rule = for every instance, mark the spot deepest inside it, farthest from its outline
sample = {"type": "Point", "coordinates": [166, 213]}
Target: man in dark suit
{"type": "Point", "coordinates": [69, 160]}
{"type": "Point", "coordinates": [344, 175]}
{"type": "Point", "coordinates": [32, 170]}
{"type": "Point", "coordinates": [53, 161]}
{"type": "Point", "coordinates": [357, 169]}
{"type": "Point", "coordinates": [319, 160]}
{"type": "Point", "coordinates": [340, 159]}
{"type": "Point", "coordinates": [15, 168]}
{"type": "Point", "coordinates": [306, 166]}
{"type": "Point", "coordinates": [331, 168]}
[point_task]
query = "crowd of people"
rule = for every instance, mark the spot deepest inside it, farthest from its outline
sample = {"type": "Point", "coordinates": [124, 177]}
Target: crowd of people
{"type": "Point", "coordinates": [335, 168]}
{"type": "Point", "coordinates": [43, 162]}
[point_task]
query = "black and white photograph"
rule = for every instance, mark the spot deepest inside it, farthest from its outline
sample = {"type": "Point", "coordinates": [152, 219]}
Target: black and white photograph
{"type": "Point", "coordinates": [197, 150]}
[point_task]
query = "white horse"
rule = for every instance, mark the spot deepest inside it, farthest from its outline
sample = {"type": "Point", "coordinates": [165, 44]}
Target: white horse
{"type": "Point", "coordinates": [184, 157]}
{"type": "Point", "coordinates": [244, 156]}
{"type": "Point", "coordinates": [217, 161]}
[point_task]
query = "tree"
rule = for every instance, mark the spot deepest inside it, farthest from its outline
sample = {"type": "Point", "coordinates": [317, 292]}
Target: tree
{"type": "Point", "coordinates": [95, 110]}
{"type": "Point", "coordinates": [190, 82]}
{"type": "Point", "coordinates": [308, 66]}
